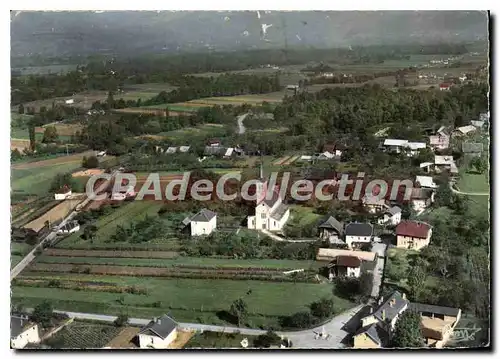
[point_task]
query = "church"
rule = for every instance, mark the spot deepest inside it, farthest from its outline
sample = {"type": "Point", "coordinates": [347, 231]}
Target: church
{"type": "Point", "coordinates": [270, 214]}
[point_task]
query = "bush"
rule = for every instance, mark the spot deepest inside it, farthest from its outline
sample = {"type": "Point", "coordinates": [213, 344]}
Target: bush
{"type": "Point", "coordinates": [299, 320]}
{"type": "Point", "coordinates": [266, 340]}
{"type": "Point", "coordinates": [121, 320]}
{"type": "Point", "coordinates": [322, 308]}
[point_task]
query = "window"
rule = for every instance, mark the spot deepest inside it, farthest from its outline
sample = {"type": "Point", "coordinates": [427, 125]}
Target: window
{"type": "Point", "coordinates": [263, 226]}
{"type": "Point", "coordinates": [263, 216]}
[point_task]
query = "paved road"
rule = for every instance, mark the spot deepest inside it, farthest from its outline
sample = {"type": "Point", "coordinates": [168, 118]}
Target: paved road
{"type": "Point", "coordinates": [468, 193]}
{"type": "Point", "coordinates": [52, 235]}
{"type": "Point", "coordinates": [300, 339]}
{"type": "Point", "coordinates": [380, 249]}
{"type": "Point", "coordinates": [241, 127]}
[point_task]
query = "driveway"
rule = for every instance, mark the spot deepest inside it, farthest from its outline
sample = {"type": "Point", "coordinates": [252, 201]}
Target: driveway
{"type": "Point", "coordinates": [379, 248]}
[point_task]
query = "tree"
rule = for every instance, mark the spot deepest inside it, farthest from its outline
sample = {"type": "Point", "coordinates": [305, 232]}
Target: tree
{"type": "Point", "coordinates": [31, 132]}
{"type": "Point", "coordinates": [323, 308]}
{"type": "Point", "coordinates": [239, 310]}
{"type": "Point", "coordinates": [21, 109]}
{"type": "Point", "coordinates": [89, 232]}
{"type": "Point", "coordinates": [43, 313]}
{"type": "Point", "coordinates": [90, 162]}
{"type": "Point", "coordinates": [61, 180]}
{"type": "Point", "coordinates": [121, 320]}
{"type": "Point", "coordinates": [15, 155]}
{"type": "Point", "coordinates": [266, 340]}
{"type": "Point", "coordinates": [110, 100]}
{"type": "Point", "coordinates": [416, 279]}
{"type": "Point", "coordinates": [443, 195]}
{"type": "Point", "coordinates": [50, 134]}
{"type": "Point", "coordinates": [408, 333]}
{"type": "Point", "coordinates": [479, 164]}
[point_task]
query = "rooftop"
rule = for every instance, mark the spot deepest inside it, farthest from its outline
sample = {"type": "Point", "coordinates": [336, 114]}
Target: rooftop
{"type": "Point", "coordinates": [413, 229]}
{"type": "Point", "coordinates": [426, 181]}
{"type": "Point", "coordinates": [348, 261]}
{"type": "Point", "coordinates": [18, 323]}
{"type": "Point", "coordinates": [330, 222]}
{"type": "Point", "coordinates": [391, 307]}
{"type": "Point", "coordinates": [160, 327]}
{"type": "Point", "coordinates": [329, 254]}
{"type": "Point", "coordinates": [203, 215]}
{"type": "Point", "coordinates": [359, 229]}
{"type": "Point", "coordinates": [376, 333]}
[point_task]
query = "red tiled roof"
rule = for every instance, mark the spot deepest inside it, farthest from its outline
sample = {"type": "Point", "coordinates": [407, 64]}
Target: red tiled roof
{"type": "Point", "coordinates": [348, 261]}
{"type": "Point", "coordinates": [444, 85]}
{"type": "Point", "coordinates": [413, 229]}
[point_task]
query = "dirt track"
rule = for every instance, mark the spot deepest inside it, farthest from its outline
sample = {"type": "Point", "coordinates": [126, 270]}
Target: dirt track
{"type": "Point", "coordinates": [55, 214]}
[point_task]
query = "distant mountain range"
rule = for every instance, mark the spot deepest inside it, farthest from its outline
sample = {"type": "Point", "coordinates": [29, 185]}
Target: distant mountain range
{"type": "Point", "coordinates": [134, 32]}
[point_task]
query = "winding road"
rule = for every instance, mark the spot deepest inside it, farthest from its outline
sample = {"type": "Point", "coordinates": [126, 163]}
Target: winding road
{"type": "Point", "coordinates": [303, 339]}
{"type": "Point", "coordinates": [241, 127]}
{"type": "Point", "coordinates": [468, 193]}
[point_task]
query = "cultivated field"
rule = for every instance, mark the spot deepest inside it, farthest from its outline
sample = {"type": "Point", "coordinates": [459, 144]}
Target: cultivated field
{"type": "Point", "coordinates": [82, 335]}
{"type": "Point", "coordinates": [55, 214]}
{"type": "Point", "coordinates": [71, 159]}
{"type": "Point", "coordinates": [19, 144]}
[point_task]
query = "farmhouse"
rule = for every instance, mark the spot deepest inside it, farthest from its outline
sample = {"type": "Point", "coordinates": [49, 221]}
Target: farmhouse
{"type": "Point", "coordinates": [395, 145]}
{"type": "Point", "coordinates": [22, 331]}
{"type": "Point", "coordinates": [392, 216]}
{"type": "Point", "coordinates": [444, 87]}
{"type": "Point", "coordinates": [421, 198]}
{"type": "Point", "coordinates": [69, 227]}
{"type": "Point", "coordinates": [270, 213]}
{"type": "Point", "coordinates": [413, 235]}
{"type": "Point", "coordinates": [439, 141]}
{"type": "Point", "coordinates": [437, 322]}
{"type": "Point", "coordinates": [184, 149]}
{"type": "Point", "coordinates": [331, 229]}
{"type": "Point", "coordinates": [445, 163]}
{"type": "Point", "coordinates": [63, 193]}
{"type": "Point", "coordinates": [202, 223]}
{"type": "Point", "coordinates": [477, 123]}
{"type": "Point", "coordinates": [158, 333]}
{"type": "Point", "coordinates": [377, 328]}
{"type": "Point", "coordinates": [345, 266]}
{"type": "Point", "coordinates": [358, 233]}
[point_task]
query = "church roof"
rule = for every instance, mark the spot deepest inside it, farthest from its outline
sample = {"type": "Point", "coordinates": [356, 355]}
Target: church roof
{"type": "Point", "coordinates": [279, 212]}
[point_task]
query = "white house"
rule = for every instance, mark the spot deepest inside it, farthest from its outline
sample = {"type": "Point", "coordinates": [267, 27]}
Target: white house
{"type": "Point", "coordinates": [101, 154]}
{"type": "Point", "coordinates": [426, 182]}
{"type": "Point", "coordinates": [62, 193]}
{"type": "Point", "coordinates": [358, 233]}
{"type": "Point", "coordinates": [345, 266]}
{"type": "Point", "coordinates": [120, 196]}
{"type": "Point", "coordinates": [202, 223]}
{"type": "Point", "coordinates": [70, 227]}
{"type": "Point", "coordinates": [392, 216]}
{"type": "Point", "coordinates": [374, 204]}
{"type": "Point", "coordinates": [184, 149]}
{"type": "Point", "coordinates": [414, 148]}
{"type": "Point", "coordinates": [70, 101]}
{"type": "Point", "coordinates": [171, 150]}
{"type": "Point", "coordinates": [422, 198]}
{"type": "Point", "coordinates": [158, 333]}
{"type": "Point", "coordinates": [395, 145]}
{"type": "Point", "coordinates": [270, 214]}
{"type": "Point", "coordinates": [439, 141]}
{"type": "Point", "coordinates": [445, 163]}
{"type": "Point", "coordinates": [464, 130]}
{"type": "Point", "coordinates": [22, 331]}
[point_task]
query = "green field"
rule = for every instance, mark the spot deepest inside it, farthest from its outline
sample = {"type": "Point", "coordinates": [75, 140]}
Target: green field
{"type": "Point", "coordinates": [475, 183]}
{"type": "Point", "coordinates": [14, 259]}
{"type": "Point", "coordinates": [216, 262]}
{"type": "Point", "coordinates": [187, 300]}
{"type": "Point", "coordinates": [189, 133]}
{"type": "Point", "coordinates": [23, 180]}
{"type": "Point", "coordinates": [106, 226]}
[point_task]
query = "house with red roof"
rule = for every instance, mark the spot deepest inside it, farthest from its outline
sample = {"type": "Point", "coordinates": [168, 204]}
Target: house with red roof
{"type": "Point", "coordinates": [444, 87]}
{"type": "Point", "coordinates": [413, 235]}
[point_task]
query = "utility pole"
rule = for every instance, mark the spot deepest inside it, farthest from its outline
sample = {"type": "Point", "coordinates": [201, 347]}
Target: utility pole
{"type": "Point", "coordinates": [67, 152]}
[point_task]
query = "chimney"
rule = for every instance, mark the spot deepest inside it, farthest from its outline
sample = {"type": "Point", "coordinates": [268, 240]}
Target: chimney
{"type": "Point", "coordinates": [383, 314]}
{"type": "Point", "coordinates": [404, 296]}
{"type": "Point", "coordinates": [371, 310]}
{"type": "Point", "coordinates": [159, 321]}
{"type": "Point", "coordinates": [392, 302]}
